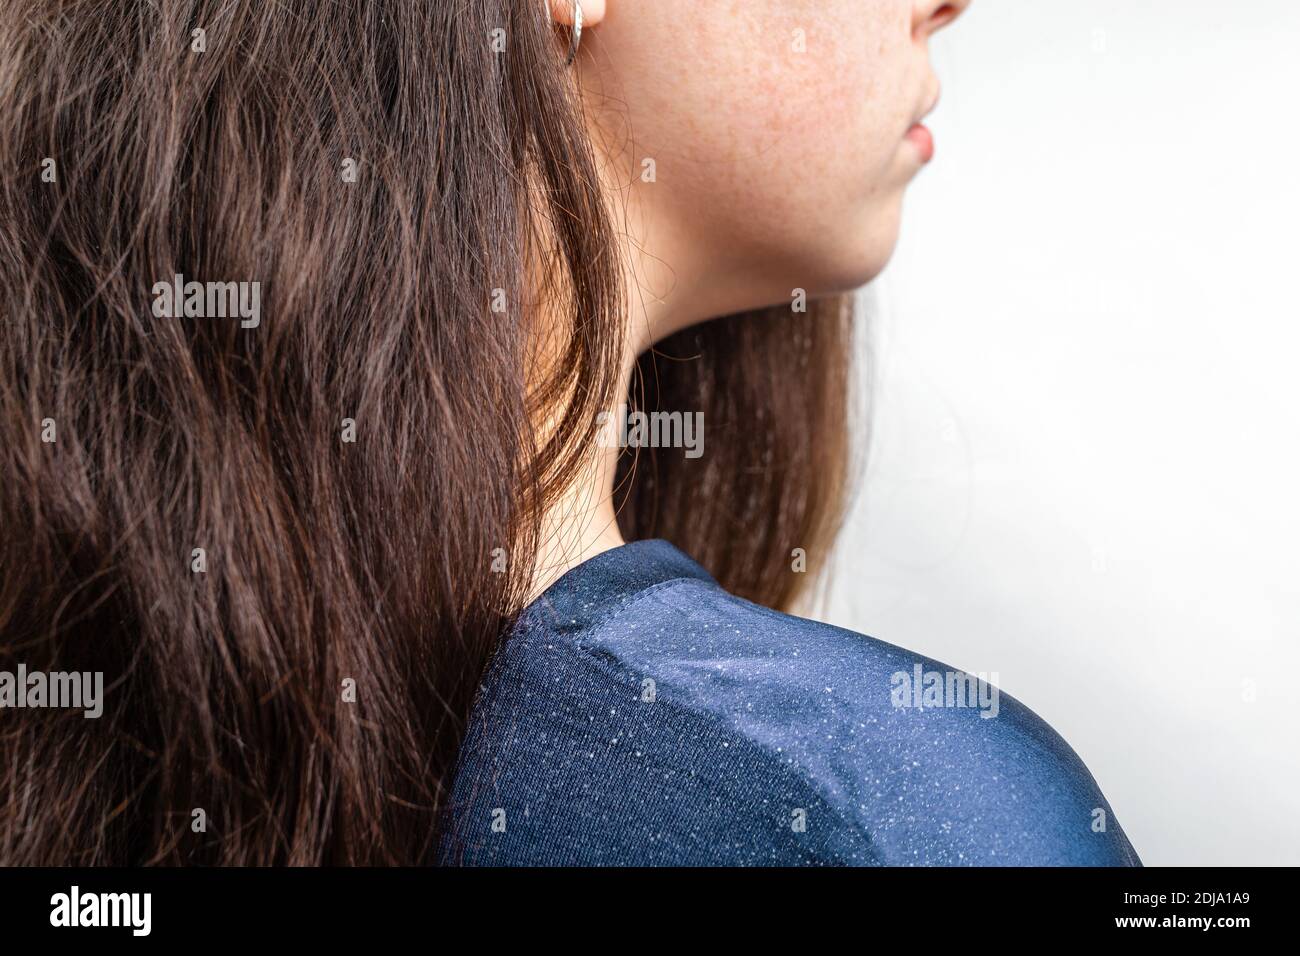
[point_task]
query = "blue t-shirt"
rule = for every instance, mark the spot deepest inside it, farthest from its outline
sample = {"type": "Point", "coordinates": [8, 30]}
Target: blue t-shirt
{"type": "Point", "coordinates": [638, 714]}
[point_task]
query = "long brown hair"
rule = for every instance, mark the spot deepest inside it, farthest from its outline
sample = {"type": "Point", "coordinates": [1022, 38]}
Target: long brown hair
{"type": "Point", "coordinates": [291, 548]}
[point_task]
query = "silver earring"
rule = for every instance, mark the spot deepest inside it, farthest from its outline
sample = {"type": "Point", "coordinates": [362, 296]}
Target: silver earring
{"type": "Point", "coordinates": [576, 36]}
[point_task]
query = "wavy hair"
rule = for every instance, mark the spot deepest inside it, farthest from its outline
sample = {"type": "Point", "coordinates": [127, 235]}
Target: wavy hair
{"type": "Point", "coordinates": [282, 545]}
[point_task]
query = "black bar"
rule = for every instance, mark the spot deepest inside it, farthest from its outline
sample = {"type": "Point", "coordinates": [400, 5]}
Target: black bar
{"type": "Point", "coordinates": [945, 906]}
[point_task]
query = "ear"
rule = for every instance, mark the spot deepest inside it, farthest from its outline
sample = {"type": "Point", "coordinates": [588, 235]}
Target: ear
{"type": "Point", "coordinates": [593, 11]}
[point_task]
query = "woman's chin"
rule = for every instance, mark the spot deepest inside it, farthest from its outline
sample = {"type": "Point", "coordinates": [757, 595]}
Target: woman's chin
{"type": "Point", "coordinates": [855, 267]}
{"type": "Point", "coordinates": [850, 258]}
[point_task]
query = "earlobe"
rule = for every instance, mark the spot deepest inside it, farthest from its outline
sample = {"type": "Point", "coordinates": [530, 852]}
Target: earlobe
{"type": "Point", "coordinates": [562, 11]}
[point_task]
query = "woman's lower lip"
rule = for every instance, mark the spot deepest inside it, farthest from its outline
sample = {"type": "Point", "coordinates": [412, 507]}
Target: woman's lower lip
{"type": "Point", "coordinates": [923, 139]}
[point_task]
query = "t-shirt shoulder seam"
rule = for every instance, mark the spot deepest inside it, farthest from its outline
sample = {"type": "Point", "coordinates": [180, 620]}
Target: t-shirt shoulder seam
{"type": "Point", "coordinates": [776, 756]}
{"type": "Point", "coordinates": [632, 600]}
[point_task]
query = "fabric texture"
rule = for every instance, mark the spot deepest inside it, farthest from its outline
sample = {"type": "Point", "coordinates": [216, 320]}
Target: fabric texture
{"type": "Point", "coordinates": [638, 714]}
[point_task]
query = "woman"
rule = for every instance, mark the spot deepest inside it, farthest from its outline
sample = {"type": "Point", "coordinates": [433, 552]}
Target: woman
{"type": "Point", "coordinates": [317, 320]}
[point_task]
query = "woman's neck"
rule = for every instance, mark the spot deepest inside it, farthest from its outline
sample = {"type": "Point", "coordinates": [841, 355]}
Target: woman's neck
{"type": "Point", "coordinates": [583, 522]}
{"type": "Point", "coordinates": [661, 299]}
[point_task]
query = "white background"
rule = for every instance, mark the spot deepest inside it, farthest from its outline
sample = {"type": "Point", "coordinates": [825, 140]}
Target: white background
{"type": "Point", "coordinates": [1085, 468]}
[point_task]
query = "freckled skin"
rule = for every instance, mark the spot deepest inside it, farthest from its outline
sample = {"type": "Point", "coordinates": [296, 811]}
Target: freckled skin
{"type": "Point", "coordinates": [777, 129]}
{"type": "Point", "coordinates": [752, 152]}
